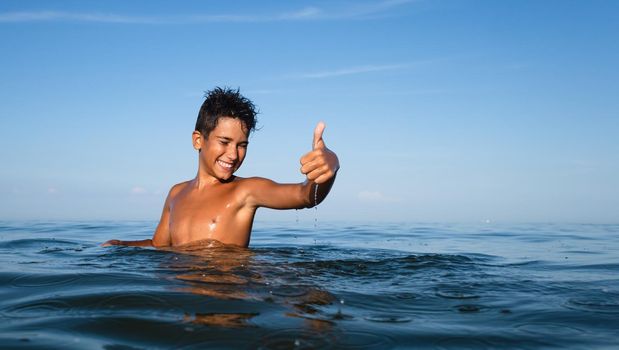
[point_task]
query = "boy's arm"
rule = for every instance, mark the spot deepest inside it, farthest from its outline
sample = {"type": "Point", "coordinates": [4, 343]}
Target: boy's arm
{"type": "Point", "coordinates": [161, 238]}
{"type": "Point", "coordinates": [140, 243]}
{"type": "Point", "coordinates": [320, 167]}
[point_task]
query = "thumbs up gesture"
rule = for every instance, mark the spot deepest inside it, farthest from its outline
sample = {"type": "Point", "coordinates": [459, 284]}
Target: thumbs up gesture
{"type": "Point", "coordinates": [320, 164]}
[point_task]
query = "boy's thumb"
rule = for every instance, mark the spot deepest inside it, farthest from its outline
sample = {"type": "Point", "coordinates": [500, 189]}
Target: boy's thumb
{"type": "Point", "coordinates": [320, 128]}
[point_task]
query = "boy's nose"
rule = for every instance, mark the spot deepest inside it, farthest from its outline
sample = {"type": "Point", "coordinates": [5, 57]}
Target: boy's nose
{"type": "Point", "coordinates": [232, 154]}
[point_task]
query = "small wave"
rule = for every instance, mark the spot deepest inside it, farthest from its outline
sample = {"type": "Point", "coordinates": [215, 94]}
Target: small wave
{"type": "Point", "coordinates": [606, 304]}
{"type": "Point", "coordinates": [96, 304]}
{"type": "Point", "coordinates": [38, 308]}
{"type": "Point", "coordinates": [385, 318]}
{"type": "Point", "coordinates": [549, 329]}
{"type": "Point", "coordinates": [306, 339]}
{"type": "Point", "coordinates": [466, 342]}
{"type": "Point", "coordinates": [44, 280]}
{"type": "Point", "coordinates": [603, 267]}
{"type": "Point", "coordinates": [386, 266]}
{"type": "Point", "coordinates": [36, 243]}
{"type": "Point", "coordinates": [456, 292]}
{"type": "Point", "coordinates": [468, 308]}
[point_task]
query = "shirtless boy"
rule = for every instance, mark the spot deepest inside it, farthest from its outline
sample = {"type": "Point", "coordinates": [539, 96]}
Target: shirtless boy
{"type": "Point", "coordinates": [216, 204]}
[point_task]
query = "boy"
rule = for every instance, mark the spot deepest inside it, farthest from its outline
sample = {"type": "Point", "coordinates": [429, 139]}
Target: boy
{"type": "Point", "coordinates": [216, 204]}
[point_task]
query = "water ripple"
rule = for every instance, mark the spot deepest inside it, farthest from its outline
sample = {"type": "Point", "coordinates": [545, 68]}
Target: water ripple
{"type": "Point", "coordinates": [549, 329]}
{"type": "Point", "coordinates": [304, 339]}
{"type": "Point", "coordinates": [388, 318]}
{"type": "Point", "coordinates": [456, 292]}
{"type": "Point", "coordinates": [44, 280]}
{"type": "Point", "coordinates": [601, 304]}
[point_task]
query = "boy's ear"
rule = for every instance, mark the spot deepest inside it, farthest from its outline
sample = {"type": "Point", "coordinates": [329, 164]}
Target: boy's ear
{"type": "Point", "coordinates": [196, 138]}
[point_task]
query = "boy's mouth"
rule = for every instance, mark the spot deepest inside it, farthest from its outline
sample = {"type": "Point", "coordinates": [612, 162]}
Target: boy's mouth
{"type": "Point", "coordinates": [226, 166]}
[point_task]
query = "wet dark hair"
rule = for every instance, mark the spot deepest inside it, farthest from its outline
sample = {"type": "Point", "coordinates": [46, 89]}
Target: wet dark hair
{"type": "Point", "coordinates": [225, 102]}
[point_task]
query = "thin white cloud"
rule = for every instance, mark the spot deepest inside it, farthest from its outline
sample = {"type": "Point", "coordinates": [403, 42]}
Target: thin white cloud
{"type": "Point", "coordinates": [52, 190]}
{"type": "Point", "coordinates": [356, 11]}
{"type": "Point", "coordinates": [303, 14]}
{"type": "Point", "coordinates": [374, 197]}
{"type": "Point", "coordinates": [138, 190]}
{"type": "Point", "coordinates": [46, 16]}
{"type": "Point", "coordinates": [413, 92]}
{"type": "Point", "coordinates": [350, 71]}
{"type": "Point", "coordinates": [367, 10]}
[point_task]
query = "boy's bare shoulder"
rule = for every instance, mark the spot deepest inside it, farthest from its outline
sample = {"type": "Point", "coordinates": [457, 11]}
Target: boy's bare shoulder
{"type": "Point", "coordinates": [178, 188]}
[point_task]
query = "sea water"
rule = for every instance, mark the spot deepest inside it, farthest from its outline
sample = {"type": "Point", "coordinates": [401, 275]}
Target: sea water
{"type": "Point", "coordinates": [312, 286]}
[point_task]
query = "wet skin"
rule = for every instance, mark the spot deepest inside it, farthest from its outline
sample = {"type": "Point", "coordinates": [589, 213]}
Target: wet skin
{"type": "Point", "coordinates": [217, 205]}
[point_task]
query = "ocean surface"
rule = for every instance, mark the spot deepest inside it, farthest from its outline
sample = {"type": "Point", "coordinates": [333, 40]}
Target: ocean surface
{"type": "Point", "coordinates": [314, 285]}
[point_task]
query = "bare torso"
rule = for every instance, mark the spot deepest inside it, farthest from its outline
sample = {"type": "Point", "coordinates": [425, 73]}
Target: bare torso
{"type": "Point", "coordinates": [217, 211]}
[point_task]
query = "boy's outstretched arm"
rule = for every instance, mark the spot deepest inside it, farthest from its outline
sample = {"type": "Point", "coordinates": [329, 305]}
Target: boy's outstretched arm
{"type": "Point", "coordinates": [161, 238]}
{"type": "Point", "coordinates": [140, 243]}
{"type": "Point", "coordinates": [319, 166]}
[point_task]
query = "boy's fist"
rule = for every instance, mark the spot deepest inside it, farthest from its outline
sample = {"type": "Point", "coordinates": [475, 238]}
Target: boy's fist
{"type": "Point", "coordinates": [321, 164]}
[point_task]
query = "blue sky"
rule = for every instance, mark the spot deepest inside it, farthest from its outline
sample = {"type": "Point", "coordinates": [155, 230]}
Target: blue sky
{"type": "Point", "coordinates": [439, 110]}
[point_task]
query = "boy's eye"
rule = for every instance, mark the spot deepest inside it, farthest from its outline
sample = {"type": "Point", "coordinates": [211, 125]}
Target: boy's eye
{"type": "Point", "coordinates": [243, 145]}
{"type": "Point", "coordinates": [223, 142]}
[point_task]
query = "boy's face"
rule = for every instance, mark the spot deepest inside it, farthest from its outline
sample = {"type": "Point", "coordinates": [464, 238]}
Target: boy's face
{"type": "Point", "coordinates": [223, 152]}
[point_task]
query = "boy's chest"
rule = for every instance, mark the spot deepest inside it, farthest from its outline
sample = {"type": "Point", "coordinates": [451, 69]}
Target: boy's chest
{"type": "Point", "coordinates": [208, 215]}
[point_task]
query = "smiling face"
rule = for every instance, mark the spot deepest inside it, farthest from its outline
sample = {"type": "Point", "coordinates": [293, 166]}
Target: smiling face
{"type": "Point", "coordinates": [223, 151]}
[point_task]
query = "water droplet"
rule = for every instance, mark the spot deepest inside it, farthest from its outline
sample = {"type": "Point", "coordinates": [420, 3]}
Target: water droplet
{"type": "Point", "coordinates": [315, 217]}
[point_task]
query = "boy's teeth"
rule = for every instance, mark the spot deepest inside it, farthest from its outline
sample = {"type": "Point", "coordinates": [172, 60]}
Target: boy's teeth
{"type": "Point", "coordinates": [226, 165]}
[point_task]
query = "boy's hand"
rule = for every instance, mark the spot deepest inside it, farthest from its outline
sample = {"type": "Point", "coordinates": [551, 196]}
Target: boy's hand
{"type": "Point", "coordinates": [321, 164]}
{"type": "Point", "coordinates": [111, 242]}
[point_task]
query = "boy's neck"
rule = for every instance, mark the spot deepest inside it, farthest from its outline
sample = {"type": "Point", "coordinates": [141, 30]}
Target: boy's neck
{"type": "Point", "coordinates": [203, 180]}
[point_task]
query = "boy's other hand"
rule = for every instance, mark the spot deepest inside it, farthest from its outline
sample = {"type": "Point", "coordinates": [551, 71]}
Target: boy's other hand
{"type": "Point", "coordinates": [111, 242]}
{"type": "Point", "coordinates": [321, 164]}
